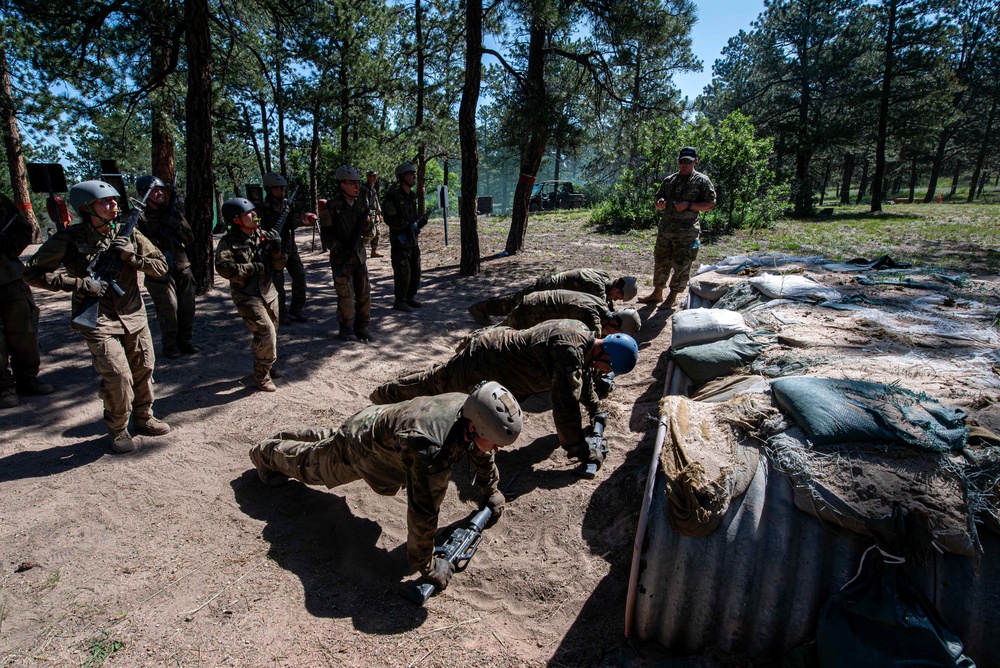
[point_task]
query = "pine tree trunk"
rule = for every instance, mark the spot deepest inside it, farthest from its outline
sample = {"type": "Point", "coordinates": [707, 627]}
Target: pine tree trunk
{"type": "Point", "coordinates": [977, 171]}
{"type": "Point", "coordinates": [161, 121]}
{"type": "Point", "coordinates": [200, 180]}
{"type": "Point", "coordinates": [845, 179]}
{"type": "Point", "coordinates": [954, 178]}
{"type": "Point", "coordinates": [15, 150]}
{"type": "Point", "coordinates": [468, 139]}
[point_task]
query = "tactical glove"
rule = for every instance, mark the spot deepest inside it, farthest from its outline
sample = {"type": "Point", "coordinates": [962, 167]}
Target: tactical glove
{"type": "Point", "coordinates": [123, 246]}
{"type": "Point", "coordinates": [439, 571]}
{"type": "Point", "coordinates": [270, 235]}
{"type": "Point", "coordinates": [93, 287]}
{"type": "Point", "coordinates": [495, 502]}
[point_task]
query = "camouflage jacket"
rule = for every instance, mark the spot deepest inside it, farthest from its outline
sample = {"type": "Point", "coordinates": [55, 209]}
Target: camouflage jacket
{"type": "Point", "coordinates": [414, 444]}
{"type": "Point", "coordinates": [75, 248]}
{"type": "Point", "coordinates": [676, 188]}
{"type": "Point", "coordinates": [552, 356]}
{"type": "Point", "coordinates": [15, 235]}
{"type": "Point", "coordinates": [592, 281]}
{"type": "Point", "coordinates": [168, 233]}
{"type": "Point", "coordinates": [537, 307]}
{"type": "Point", "coordinates": [399, 210]}
{"type": "Point", "coordinates": [269, 213]}
{"type": "Point", "coordinates": [234, 259]}
{"type": "Point", "coordinates": [340, 225]}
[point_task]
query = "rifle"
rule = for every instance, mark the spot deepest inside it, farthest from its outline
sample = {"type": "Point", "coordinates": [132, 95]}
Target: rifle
{"type": "Point", "coordinates": [604, 384]}
{"type": "Point", "coordinates": [107, 267]}
{"type": "Point", "coordinates": [459, 550]}
{"type": "Point", "coordinates": [413, 230]}
{"type": "Point", "coordinates": [594, 438]}
{"type": "Point", "coordinates": [265, 248]}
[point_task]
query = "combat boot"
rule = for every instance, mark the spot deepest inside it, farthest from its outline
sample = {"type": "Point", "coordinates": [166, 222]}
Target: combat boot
{"type": "Point", "coordinates": [266, 475]}
{"type": "Point", "coordinates": [151, 426]}
{"type": "Point", "coordinates": [8, 397]}
{"type": "Point", "coordinates": [414, 303]}
{"type": "Point", "coordinates": [122, 442]}
{"type": "Point", "coordinates": [172, 353]}
{"type": "Point", "coordinates": [262, 377]}
{"type": "Point", "coordinates": [654, 297]}
{"type": "Point", "coordinates": [401, 305]}
{"type": "Point", "coordinates": [364, 334]}
{"type": "Point", "coordinates": [671, 299]}
{"type": "Point", "coordinates": [188, 348]}
{"type": "Point", "coordinates": [34, 387]}
{"type": "Point", "coordinates": [375, 253]}
{"type": "Point", "coordinates": [347, 335]}
{"type": "Point", "coordinates": [297, 316]}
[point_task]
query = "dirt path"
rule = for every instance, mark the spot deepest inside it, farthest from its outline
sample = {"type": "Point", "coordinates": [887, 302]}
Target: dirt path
{"type": "Point", "coordinates": [177, 555]}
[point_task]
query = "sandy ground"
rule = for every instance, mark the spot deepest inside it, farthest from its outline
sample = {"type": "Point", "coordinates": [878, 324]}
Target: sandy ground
{"type": "Point", "coordinates": [176, 555]}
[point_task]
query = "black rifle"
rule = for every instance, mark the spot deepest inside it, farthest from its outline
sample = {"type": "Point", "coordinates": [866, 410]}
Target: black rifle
{"type": "Point", "coordinates": [598, 446]}
{"type": "Point", "coordinates": [265, 248]}
{"type": "Point", "coordinates": [604, 383]}
{"type": "Point", "coordinates": [459, 550]}
{"type": "Point", "coordinates": [107, 266]}
{"type": "Point", "coordinates": [413, 229]}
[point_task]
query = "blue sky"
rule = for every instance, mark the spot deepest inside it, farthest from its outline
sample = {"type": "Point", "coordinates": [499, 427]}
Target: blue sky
{"type": "Point", "coordinates": [718, 20]}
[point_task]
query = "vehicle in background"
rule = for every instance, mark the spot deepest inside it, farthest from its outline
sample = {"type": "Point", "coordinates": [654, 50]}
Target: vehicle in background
{"type": "Point", "coordinates": [554, 195]}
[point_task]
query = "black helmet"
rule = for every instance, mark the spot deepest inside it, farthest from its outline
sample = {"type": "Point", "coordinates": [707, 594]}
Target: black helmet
{"type": "Point", "coordinates": [347, 173]}
{"type": "Point", "coordinates": [404, 168]}
{"type": "Point", "coordinates": [236, 207]}
{"type": "Point", "coordinates": [143, 184]}
{"type": "Point", "coordinates": [274, 180]}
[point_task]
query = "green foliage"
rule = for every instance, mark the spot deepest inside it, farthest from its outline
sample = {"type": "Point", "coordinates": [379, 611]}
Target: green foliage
{"type": "Point", "coordinates": [730, 154]}
{"type": "Point", "coordinates": [100, 650]}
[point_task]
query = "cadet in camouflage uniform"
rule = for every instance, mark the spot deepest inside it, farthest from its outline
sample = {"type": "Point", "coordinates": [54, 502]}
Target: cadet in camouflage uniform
{"type": "Point", "coordinates": [19, 354]}
{"type": "Point", "coordinates": [345, 228]}
{"type": "Point", "coordinates": [537, 307]}
{"type": "Point", "coordinates": [400, 210]}
{"type": "Point", "coordinates": [682, 197]}
{"type": "Point", "coordinates": [121, 345]}
{"type": "Point", "coordinates": [591, 281]}
{"type": "Point", "coordinates": [163, 223]}
{"type": "Point", "coordinates": [250, 282]}
{"type": "Point", "coordinates": [553, 356]}
{"type": "Point", "coordinates": [374, 210]}
{"type": "Point", "coordinates": [275, 187]}
{"type": "Point", "coordinates": [412, 444]}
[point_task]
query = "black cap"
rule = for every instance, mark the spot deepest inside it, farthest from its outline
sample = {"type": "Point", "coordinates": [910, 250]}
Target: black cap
{"type": "Point", "coordinates": [688, 152]}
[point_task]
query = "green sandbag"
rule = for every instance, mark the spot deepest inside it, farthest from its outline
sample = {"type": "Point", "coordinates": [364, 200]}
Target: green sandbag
{"type": "Point", "coordinates": [708, 361]}
{"type": "Point", "coordinates": [851, 411]}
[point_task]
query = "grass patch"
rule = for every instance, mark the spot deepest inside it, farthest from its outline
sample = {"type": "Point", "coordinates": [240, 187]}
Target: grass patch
{"type": "Point", "coordinates": [51, 580]}
{"type": "Point", "coordinates": [100, 650]}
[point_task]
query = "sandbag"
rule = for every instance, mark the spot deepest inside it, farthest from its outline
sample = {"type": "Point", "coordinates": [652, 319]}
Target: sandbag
{"type": "Point", "coordinates": [852, 411]}
{"type": "Point", "coordinates": [704, 325]}
{"type": "Point", "coordinates": [712, 285]}
{"type": "Point", "coordinates": [794, 287]}
{"type": "Point", "coordinates": [707, 361]}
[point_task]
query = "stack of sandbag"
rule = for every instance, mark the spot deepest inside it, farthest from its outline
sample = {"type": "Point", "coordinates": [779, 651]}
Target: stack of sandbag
{"type": "Point", "coordinates": [712, 343]}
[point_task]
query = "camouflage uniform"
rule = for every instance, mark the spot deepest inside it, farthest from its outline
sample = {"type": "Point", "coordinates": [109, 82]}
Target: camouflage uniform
{"type": "Point", "coordinates": [590, 281]}
{"type": "Point", "coordinates": [551, 356]}
{"type": "Point", "coordinates": [269, 213]}
{"type": "Point", "coordinates": [677, 237]}
{"type": "Point", "coordinates": [253, 294]}
{"type": "Point", "coordinates": [18, 313]}
{"type": "Point", "coordinates": [400, 210]}
{"type": "Point", "coordinates": [340, 225]}
{"type": "Point", "coordinates": [173, 294]}
{"type": "Point", "coordinates": [370, 193]}
{"type": "Point", "coordinates": [412, 444]}
{"type": "Point", "coordinates": [537, 307]}
{"type": "Point", "coordinates": [121, 345]}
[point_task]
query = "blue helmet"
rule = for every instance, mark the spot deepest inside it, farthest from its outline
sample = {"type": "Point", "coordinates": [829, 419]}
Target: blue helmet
{"type": "Point", "coordinates": [623, 352]}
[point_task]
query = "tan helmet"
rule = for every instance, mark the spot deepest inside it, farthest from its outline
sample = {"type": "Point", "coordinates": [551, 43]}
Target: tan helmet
{"type": "Point", "coordinates": [630, 320]}
{"type": "Point", "coordinates": [628, 286]}
{"type": "Point", "coordinates": [494, 412]}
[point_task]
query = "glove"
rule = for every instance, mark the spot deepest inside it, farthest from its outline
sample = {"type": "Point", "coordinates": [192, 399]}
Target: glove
{"type": "Point", "coordinates": [93, 287]}
{"type": "Point", "coordinates": [495, 502]}
{"type": "Point", "coordinates": [421, 221]}
{"type": "Point", "coordinates": [439, 571]}
{"type": "Point", "coordinates": [258, 268]}
{"type": "Point", "coordinates": [123, 246]}
{"type": "Point", "coordinates": [269, 235]}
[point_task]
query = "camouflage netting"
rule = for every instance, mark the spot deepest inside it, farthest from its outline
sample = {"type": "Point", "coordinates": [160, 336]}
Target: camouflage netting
{"type": "Point", "coordinates": [888, 395]}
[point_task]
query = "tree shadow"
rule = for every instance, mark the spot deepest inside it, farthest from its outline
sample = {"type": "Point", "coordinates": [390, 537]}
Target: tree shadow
{"type": "Point", "coordinates": [51, 461]}
{"type": "Point", "coordinates": [313, 534]}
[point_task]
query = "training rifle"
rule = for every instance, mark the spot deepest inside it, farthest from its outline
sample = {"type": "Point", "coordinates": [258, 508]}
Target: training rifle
{"type": "Point", "coordinates": [107, 267]}
{"type": "Point", "coordinates": [412, 230]}
{"type": "Point", "coordinates": [459, 550]}
{"type": "Point", "coordinates": [597, 444]}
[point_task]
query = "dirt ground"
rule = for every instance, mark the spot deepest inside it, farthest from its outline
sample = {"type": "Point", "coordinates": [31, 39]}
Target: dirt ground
{"type": "Point", "coordinates": [176, 555]}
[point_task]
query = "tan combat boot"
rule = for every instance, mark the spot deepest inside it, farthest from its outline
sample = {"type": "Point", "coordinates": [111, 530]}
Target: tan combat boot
{"type": "Point", "coordinates": [122, 442]}
{"type": "Point", "coordinates": [262, 377]}
{"type": "Point", "coordinates": [151, 426]}
{"type": "Point", "coordinates": [671, 299]}
{"type": "Point", "coordinates": [654, 297]}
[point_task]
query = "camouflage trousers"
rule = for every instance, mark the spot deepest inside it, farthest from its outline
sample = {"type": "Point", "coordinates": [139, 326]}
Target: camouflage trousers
{"type": "Point", "coordinates": [674, 254]}
{"type": "Point", "coordinates": [459, 374]}
{"type": "Point", "coordinates": [173, 296]}
{"type": "Point", "coordinates": [18, 334]}
{"type": "Point", "coordinates": [261, 318]}
{"type": "Point", "coordinates": [354, 297]}
{"type": "Point", "coordinates": [405, 272]}
{"type": "Point", "coordinates": [312, 456]}
{"type": "Point", "coordinates": [125, 362]}
{"type": "Point", "coordinates": [297, 272]}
